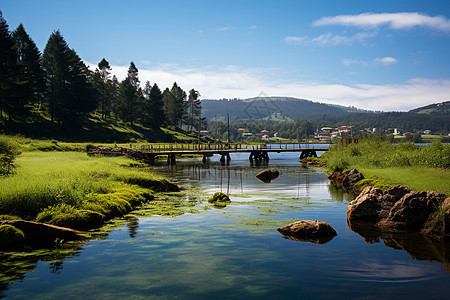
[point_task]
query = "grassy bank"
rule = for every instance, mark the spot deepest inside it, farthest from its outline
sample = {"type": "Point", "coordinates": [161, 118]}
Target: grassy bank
{"type": "Point", "coordinates": [71, 189]}
{"type": "Point", "coordinates": [417, 167]}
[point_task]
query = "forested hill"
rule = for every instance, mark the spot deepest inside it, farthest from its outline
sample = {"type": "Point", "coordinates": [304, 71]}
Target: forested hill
{"type": "Point", "coordinates": [269, 108]}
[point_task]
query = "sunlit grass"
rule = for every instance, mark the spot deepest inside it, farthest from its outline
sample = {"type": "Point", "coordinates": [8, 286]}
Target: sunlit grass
{"type": "Point", "coordinates": [46, 179]}
{"type": "Point", "coordinates": [416, 178]}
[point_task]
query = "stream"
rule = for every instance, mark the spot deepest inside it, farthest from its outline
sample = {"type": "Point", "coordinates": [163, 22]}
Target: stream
{"type": "Point", "coordinates": [236, 252]}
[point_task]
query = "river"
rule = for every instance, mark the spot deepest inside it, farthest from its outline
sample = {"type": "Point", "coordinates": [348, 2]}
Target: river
{"type": "Point", "coordinates": [236, 252]}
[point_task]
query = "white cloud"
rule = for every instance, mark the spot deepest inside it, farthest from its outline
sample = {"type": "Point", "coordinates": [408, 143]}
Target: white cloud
{"type": "Point", "coordinates": [252, 27]}
{"type": "Point", "coordinates": [404, 20]}
{"type": "Point", "coordinates": [329, 39]}
{"type": "Point", "coordinates": [221, 29]}
{"type": "Point", "coordinates": [236, 82]}
{"type": "Point", "coordinates": [386, 60]}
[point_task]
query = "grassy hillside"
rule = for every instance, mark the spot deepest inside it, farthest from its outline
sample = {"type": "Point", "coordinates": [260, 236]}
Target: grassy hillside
{"type": "Point", "coordinates": [93, 129]}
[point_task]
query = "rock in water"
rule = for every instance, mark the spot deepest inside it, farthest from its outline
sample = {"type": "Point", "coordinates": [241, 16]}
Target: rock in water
{"type": "Point", "coordinates": [317, 232]}
{"type": "Point", "coordinates": [267, 175]}
{"type": "Point", "coordinates": [398, 207]}
{"type": "Point", "coordinates": [219, 200]}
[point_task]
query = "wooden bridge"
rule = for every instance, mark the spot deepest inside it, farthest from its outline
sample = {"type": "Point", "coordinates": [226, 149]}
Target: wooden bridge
{"type": "Point", "coordinates": [256, 153]}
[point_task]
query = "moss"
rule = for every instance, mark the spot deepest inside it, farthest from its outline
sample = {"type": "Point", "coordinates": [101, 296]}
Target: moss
{"type": "Point", "coordinates": [68, 216]}
{"type": "Point", "coordinates": [378, 183]}
{"type": "Point", "coordinates": [219, 200]}
{"type": "Point", "coordinates": [8, 217]}
{"type": "Point", "coordinates": [11, 236]}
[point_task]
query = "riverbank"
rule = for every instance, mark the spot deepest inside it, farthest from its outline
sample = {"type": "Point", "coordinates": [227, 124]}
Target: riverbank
{"type": "Point", "coordinates": [417, 167]}
{"type": "Point", "coordinates": [73, 190]}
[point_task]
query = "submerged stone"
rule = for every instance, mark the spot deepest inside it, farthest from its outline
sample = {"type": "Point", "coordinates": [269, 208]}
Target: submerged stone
{"type": "Point", "coordinates": [219, 200]}
{"type": "Point", "coordinates": [267, 175]}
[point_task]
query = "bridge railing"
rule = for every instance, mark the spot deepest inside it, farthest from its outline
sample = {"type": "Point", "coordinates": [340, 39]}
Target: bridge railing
{"type": "Point", "coordinates": [190, 147]}
{"type": "Point", "coordinates": [219, 147]}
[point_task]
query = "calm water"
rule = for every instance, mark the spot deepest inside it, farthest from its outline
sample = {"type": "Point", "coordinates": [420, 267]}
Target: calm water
{"type": "Point", "coordinates": [237, 253]}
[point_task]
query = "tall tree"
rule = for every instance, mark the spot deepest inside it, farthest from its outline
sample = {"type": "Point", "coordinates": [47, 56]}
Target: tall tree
{"type": "Point", "coordinates": [69, 93]}
{"type": "Point", "coordinates": [194, 110]}
{"type": "Point", "coordinates": [105, 95]}
{"type": "Point", "coordinates": [8, 70]}
{"type": "Point", "coordinates": [113, 87]}
{"type": "Point", "coordinates": [170, 108]}
{"type": "Point", "coordinates": [153, 107]}
{"type": "Point", "coordinates": [129, 95]}
{"type": "Point", "coordinates": [30, 69]}
{"type": "Point", "coordinates": [176, 110]}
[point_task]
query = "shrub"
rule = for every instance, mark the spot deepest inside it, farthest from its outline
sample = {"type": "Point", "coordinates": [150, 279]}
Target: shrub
{"type": "Point", "coordinates": [11, 236]}
{"type": "Point", "coordinates": [68, 216]}
{"type": "Point", "coordinates": [8, 153]}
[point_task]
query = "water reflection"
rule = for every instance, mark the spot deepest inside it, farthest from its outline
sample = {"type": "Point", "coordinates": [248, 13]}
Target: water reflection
{"type": "Point", "coordinates": [417, 245]}
{"type": "Point", "coordinates": [133, 225]}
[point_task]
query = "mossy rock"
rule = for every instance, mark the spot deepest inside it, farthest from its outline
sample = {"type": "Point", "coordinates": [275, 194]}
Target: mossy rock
{"type": "Point", "coordinates": [11, 237]}
{"type": "Point", "coordinates": [219, 200]}
{"type": "Point", "coordinates": [67, 216]}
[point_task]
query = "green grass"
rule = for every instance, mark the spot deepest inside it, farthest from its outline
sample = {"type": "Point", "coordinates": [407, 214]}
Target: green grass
{"type": "Point", "coordinates": [417, 167]}
{"type": "Point", "coordinates": [416, 178]}
{"type": "Point", "coordinates": [62, 179]}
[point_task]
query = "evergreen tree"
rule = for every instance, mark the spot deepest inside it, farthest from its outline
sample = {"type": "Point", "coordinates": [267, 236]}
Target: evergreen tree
{"type": "Point", "coordinates": [104, 70]}
{"type": "Point", "coordinates": [194, 110]}
{"type": "Point", "coordinates": [175, 111]}
{"type": "Point", "coordinates": [153, 107]}
{"type": "Point", "coordinates": [129, 95]}
{"type": "Point", "coordinates": [8, 70]}
{"type": "Point", "coordinates": [170, 108]}
{"type": "Point", "coordinates": [113, 87]}
{"type": "Point", "coordinates": [70, 95]}
{"type": "Point", "coordinates": [30, 70]}
{"type": "Point", "coordinates": [127, 100]}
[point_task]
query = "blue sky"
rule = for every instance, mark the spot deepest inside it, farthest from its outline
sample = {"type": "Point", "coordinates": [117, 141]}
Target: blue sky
{"type": "Point", "coordinates": [379, 55]}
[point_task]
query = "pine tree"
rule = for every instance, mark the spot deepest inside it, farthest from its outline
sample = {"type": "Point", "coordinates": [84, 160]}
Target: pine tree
{"type": "Point", "coordinates": [8, 70]}
{"type": "Point", "coordinates": [129, 95]}
{"type": "Point", "coordinates": [170, 108]}
{"type": "Point", "coordinates": [113, 87]}
{"type": "Point", "coordinates": [176, 111]}
{"type": "Point", "coordinates": [194, 110]}
{"type": "Point", "coordinates": [30, 70]}
{"type": "Point", "coordinates": [69, 93]}
{"type": "Point", "coordinates": [104, 70]}
{"type": "Point", "coordinates": [153, 106]}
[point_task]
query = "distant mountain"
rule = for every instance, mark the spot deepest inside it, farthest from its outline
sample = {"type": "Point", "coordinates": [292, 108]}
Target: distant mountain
{"type": "Point", "coordinates": [443, 107]}
{"type": "Point", "coordinates": [270, 108]}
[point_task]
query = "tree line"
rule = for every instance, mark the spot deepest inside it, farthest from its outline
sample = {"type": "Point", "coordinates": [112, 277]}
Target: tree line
{"type": "Point", "coordinates": [59, 84]}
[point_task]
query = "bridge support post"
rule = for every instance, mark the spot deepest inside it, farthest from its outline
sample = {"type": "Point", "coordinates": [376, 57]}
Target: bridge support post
{"type": "Point", "coordinates": [259, 155]}
{"type": "Point", "coordinates": [171, 159]}
{"type": "Point", "coordinates": [308, 153]}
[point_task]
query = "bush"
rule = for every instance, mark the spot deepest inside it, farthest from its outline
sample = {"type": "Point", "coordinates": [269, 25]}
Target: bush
{"type": "Point", "coordinates": [8, 153]}
{"type": "Point", "coordinates": [68, 216]}
{"type": "Point", "coordinates": [10, 236]}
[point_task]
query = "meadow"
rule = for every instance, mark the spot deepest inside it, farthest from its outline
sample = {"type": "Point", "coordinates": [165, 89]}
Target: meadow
{"type": "Point", "coordinates": [68, 188]}
{"type": "Point", "coordinates": [417, 167]}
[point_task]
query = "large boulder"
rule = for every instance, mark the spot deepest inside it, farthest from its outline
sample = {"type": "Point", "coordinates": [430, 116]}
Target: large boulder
{"type": "Point", "coordinates": [317, 232]}
{"type": "Point", "coordinates": [351, 178]}
{"type": "Point", "coordinates": [412, 210]}
{"type": "Point", "coordinates": [366, 206]}
{"type": "Point", "coordinates": [397, 208]}
{"type": "Point", "coordinates": [346, 180]}
{"type": "Point", "coordinates": [267, 175]}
